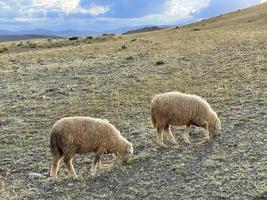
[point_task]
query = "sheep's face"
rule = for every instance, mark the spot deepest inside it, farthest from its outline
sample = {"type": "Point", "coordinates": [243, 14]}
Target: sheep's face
{"type": "Point", "coordinates": [215, 127]}
{"type": "Point", "coordinates": [127, 154]}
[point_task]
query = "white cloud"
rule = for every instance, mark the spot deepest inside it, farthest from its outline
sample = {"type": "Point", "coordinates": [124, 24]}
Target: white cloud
{"type": "Point", "coordinates": [173, 12]}
{"type": "Point", "coordinates": [96, 10]}
{"type": "Point", "coordinates": [184, 7]}
{"type": "Point", "coordinates": [69, 7]}
{"type": "Point", "coordinates": [4, 5]}
{"type": "Point", "coordinates": [28, 19]}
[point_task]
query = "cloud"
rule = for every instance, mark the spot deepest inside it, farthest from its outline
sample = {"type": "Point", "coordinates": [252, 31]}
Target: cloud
{"type": "Point", "coordinates": [4, 5]}
{"type": "Point", "coordinates": [96, 10]}
{"type": "Point", "coordinates": [46, 8]}
{"type": "Point", "coordinates": [119, 12]}
{"type": "Point", "coordinates": [69, 7]}
{"type": "Point", "coordinates": [184, 7]}
{"type": "Point", "coordinates": [178, 10]}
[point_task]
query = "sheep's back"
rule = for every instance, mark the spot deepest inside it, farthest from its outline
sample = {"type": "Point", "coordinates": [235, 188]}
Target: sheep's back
{"type": "Point", "coordinates": [179, 107]}
{"type": "Point", "coordinates": [84, 133]}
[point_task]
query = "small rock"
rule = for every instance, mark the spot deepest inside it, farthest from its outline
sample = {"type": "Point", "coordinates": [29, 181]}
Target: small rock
{"type": "Point", "coordinates": [23, 107]}
{"type": "Point", "coordinates": [34, 175]}
{"type": "Point", "coordinates": [70, 184]}
{"type": "Point", "coordinates": [71, 87]}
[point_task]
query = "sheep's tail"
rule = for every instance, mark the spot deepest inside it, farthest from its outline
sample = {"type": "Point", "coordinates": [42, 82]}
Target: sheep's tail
{"type": "Point", "coordinates": [153, 118]}
{"type": "Point", "coordinates": [54, 145]}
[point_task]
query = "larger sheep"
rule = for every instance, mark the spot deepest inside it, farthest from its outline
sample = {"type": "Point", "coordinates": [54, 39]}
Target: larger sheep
{"type": "Point", "coordinates": [179, 109]}
{"type": "Point", "coordinates": [80, 135]}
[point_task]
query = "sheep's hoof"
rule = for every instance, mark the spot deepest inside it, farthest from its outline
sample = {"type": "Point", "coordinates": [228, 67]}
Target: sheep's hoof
{"type": "Point", "coordinates": [53, 177]}
{"type": "Point", "coordinates": [187, 141]}
{"type": "Point", "coordinates": [162, 145]}
{"type": "Point", "coordinates": [75, 176]}
{"type": "Point", "coordinates": [174, 142]}
{"type": "Point", "coordinates": [93, 172]}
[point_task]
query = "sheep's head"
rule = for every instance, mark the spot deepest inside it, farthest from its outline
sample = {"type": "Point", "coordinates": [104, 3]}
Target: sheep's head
{"type": "Point", "coordinates": [127, 153]}
{"type": "Point", "coordinates": [215, 127]}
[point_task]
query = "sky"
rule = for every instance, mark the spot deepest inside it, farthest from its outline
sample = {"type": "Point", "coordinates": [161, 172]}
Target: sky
{"type": "Point", "coordinates": [100, 15]}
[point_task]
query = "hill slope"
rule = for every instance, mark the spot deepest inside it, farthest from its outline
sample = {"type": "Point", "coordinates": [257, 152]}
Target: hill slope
{"type": "Point", "coordinates": [222, 60]}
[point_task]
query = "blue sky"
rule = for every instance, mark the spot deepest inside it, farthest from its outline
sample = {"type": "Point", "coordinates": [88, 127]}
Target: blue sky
{"type": "Point", "coordinates": [100, 15]}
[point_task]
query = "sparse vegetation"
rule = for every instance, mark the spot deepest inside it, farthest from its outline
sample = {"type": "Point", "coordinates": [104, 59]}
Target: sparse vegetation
{"type": "Point", "coordinates": [32, 45]}
{"type": "Point", "coordinates": [260, 193]}
{"type": "Point", "coordinates": [3, 49]}
{"type": "Point", "coordinates": [123, 47]}
{"type": "Point", "coordinates": [130, 58]}
{"type": "Point", "coordinates": [73, 38]}
{"type": "Point", "coordinates": [225, 63]}
{"type": "Point", "coordinates": [160, 62]}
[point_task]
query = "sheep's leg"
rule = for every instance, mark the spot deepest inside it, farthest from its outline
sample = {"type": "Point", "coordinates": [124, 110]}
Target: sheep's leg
{"type": "Point", "coordinates": [160, 137]}
{"type": "Point", "coordinates": [55, 164]}
{"type": "Point", "coordinates": [68, 162]}
{"type": "Point", "coordinates": [170, 135]}
{"type": "Point", "coordinates": [96, 164]}
{"type": "Point", "coordinates": [206, 132]}
{"type": "Point", "coordinates": [186, 135]}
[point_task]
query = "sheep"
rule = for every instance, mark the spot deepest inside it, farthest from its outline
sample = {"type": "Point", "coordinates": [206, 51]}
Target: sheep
{"type": "Point", "coordinates": [80, 135]}
{"type": "Point", "coordinates": [179, 109]}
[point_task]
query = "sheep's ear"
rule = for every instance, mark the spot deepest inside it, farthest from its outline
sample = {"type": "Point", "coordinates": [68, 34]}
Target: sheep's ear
{"type": "Point", "coordinates": [218, 125]}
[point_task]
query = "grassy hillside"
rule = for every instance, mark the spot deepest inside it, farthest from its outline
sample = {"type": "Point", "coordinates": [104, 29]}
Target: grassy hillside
{"type": "Point", "coordinates": [223, 59]}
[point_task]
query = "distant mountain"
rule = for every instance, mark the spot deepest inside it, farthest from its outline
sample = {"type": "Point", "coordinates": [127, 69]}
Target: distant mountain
{"type": "Point", "coordinates": [6, 35]}
{"type": "Point", "coordinates": [6, 38]}
{"type": "Point", "coordinates": [144, 29]}
{"type": "Point", "coordinates": [63, 33]}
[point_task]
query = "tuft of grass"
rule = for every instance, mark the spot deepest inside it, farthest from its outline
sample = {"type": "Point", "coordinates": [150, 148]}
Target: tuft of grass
{"type": "Point", "coordinates": [4, 49]}
{"type": "Point", "coordinates": [73, 38]}
{"type": "Point", "coordinates": [160, 62]}
{"type": "Point", "coordinates": [123, 47]}
{"type": "Point", "coordinates": [260, 193]}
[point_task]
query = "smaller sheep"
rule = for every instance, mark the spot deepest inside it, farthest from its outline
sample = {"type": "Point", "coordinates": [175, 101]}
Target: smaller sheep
{"type": "Point", "coordinates": [80, 135]}
{"type": "Point", "coordinates": [179, 109]}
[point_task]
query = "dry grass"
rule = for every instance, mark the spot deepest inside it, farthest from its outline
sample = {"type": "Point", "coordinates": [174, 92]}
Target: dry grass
{"type": "Point", "coordinates": [43, 82]}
